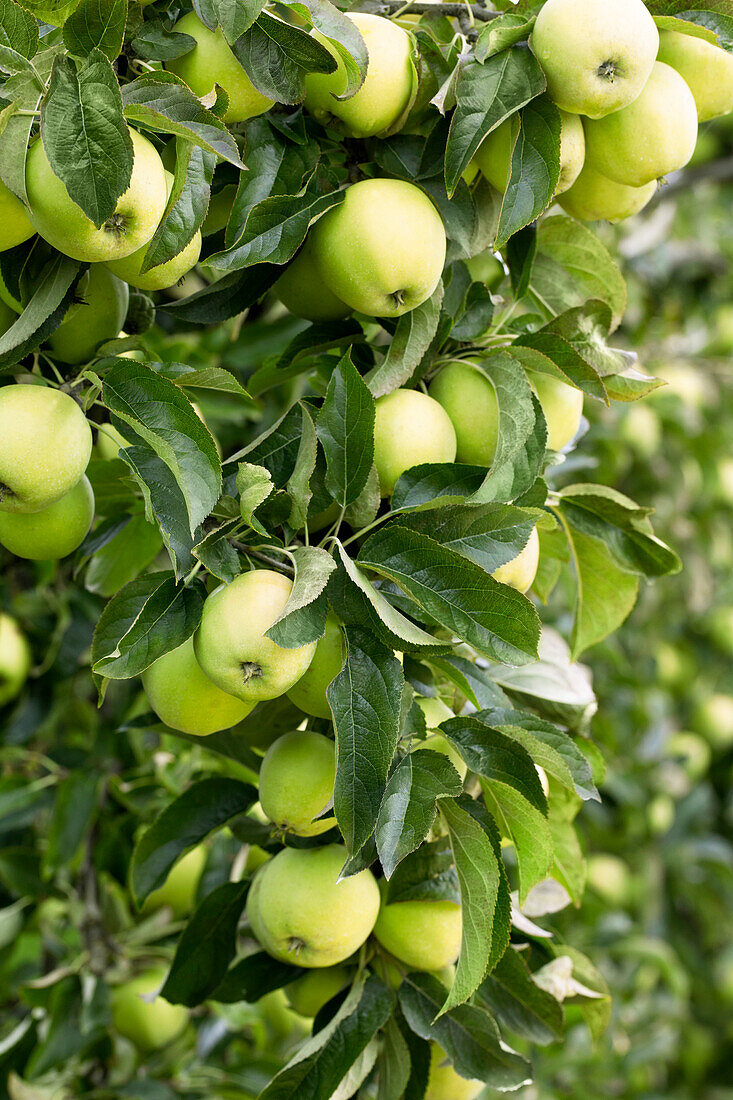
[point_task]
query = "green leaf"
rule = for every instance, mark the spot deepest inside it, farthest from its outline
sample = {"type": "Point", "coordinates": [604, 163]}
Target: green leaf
{"type": "Point", "coordinates": [254, 485]}
{"type": "Point", "coordinates": [548, 353]}
{"type": "Point", "coordinates": [299, 482]}
{"type": "Point", "coordinates": [154, 42]}
{"type": "Point", "coordinates": [412, 338]}
{"type": "Point", "coordinates": [186, 207]}
{"type": "Point", "coordinates": [303, 619]}
{"type": "Point", "coordinates": [519, 1004]}
{"type": "Point", "coordinates": [394, 1064]}
{"type": "Point", "coordinates": [569, 862]}
{"type": "Point", "coordinates": [73, 814]}
{"type": "Point", "coordinates": [435, 483]}
{"type": "Point", "coordinates": [187, 377]}
{"type": "Point", "coordinates": [526, 827]}
{"type": "Point", "coordinates": [224, 298]}
{"type": "Point", "coordinates": [345, 428]}
{"type": "Point", "coordinates": [719, 24]}
{"type": "Point", "coordinates": [207, 946]}
{"type": "Point", "coordinates": [277, 57]}
{"type": "Point", "coordinates": [277, 448]}
{"type": "Point", "coordinates": [343, 37]}
{"type": "Point", "coordinates": [488, 534]}
{"type": "Point", "coordinates": [501, 33]}
{"type": "Point", "coordinates": [96, 24]}
{"type": "Point", "coordinates": [127, 554]}
{"type": "Point", "coordinates": [496, 757]}
{"type": "Point", "coordinates": [44, 312]}
{"type": "Point", "coordinates": [471, 680]}
{"type": "Point", "coordinates": [534, 170]}
{"type": "Point", "coordinates": [253, 977]}
{"type": "Point", "coordinates": [18, 28]}
{"type": "Point", "coordinates": [571, 266]}
{"type": "Point", "coordinates": [233, 16]}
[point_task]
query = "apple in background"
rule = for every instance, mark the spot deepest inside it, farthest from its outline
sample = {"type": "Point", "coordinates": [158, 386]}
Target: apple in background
{"type": "Point", "coordinates": [149, 1026]}
{"type": "Point", "coordinates": [45, 444]}
{"type": "Point", "coordinates": [178, 892]}
{"type": "Point", "coordinates": [308, 995]}
{"type": "Point", "coordinates": [302, 914]}
{"type": "Point", "coordinates": [230, 643]}
{"type": "Point", "coordinates": [303, 292]}
{"type": "Point", "coordinates": [610, 877]}
{"type": "Point", "coordinates": [109, 441]}
{"type": "Point", "coordinates": [15, 226]}
{"type": "Point", "coordinates": [309, 693]}
{"type": "Point", "coordinates": [425, 935]}
{"type": "Point", "coordinates": [15, 658]}
{"type": "Point", "coordinates": [654, 135]}
{"type": "Point", "coordinates": [469, 399]}
{"type": "Point", "coordinates": [97, 315]}
{"type": "Point", "coordinates": [520, 572]}
{"type": "Point", "coordinates": [562, 406]}
{"type": "Point", "coordinates": [410, 428]}
{"type": "Point", "coordinates": [220, 209]}
{"type": "Point", "coordinates": [382, 250]}
{"type": "Point", "coordinates": [485, 268]}
{"type": "Point", "coordinates": [713, 718]}
{"type": "Point", "coordinates": [388, 90]}
{"type": "Point", "coordinates": [444, 1083]}
{"type": "Point", "coordinates": [211, 62]}
{"type": "Point", "coordinates": [707, 69]}
{"type": "Point", "coordinates": [296, 782]}
{"type": "Point", "coordinates": [597, 56]}
{"type": "Point", "coordinates": [53, 532]}
{"type": "Point", "coordinates": [494, 157]}
{"type": "Point", "coordinates": [185, 699]}
{"type": "Point", "coordinates": [65, 225]}
{"type": "Point", "coordinates": [595, 197]}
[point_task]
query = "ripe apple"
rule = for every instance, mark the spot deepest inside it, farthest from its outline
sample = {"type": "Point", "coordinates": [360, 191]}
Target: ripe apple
{"type": "Point", "coordinates": [597, 56]}
{"type": "Point", "coordinates": [109, 442]}
{"type": "Point", "coordinates": [444, 1083]}
{"type": "Point", "coordinates": [8, 317]}
{"type": "Point", "coordinates": [15, 658]}
{"type": "Point", "coordinates": [436, 711]}
{"type": "Point", "coordinates": [65, 225]}
{"type": "Point", "coordinates": [15, 226]}
{"type": "Point", "coordinates": [53, 532]}
{"type": "Point", "coordinates": [425, 935]}
{"type": "Point", "coordinates": [494, 157]}
{"type": "Point", "coordinates": [309, 693]}
{"type": "Point", "coordinates": [382, 250]}
{"type": "Point", "coordinates": [178, 892]}
{"type": "Point", "coordinates": [522, 570]}
{"type": "Point", "coordinates": [654, 135]}
{"type": "Point", "coordinates": [486, 268]}
{"type": "Point", "coordinates": [45, 444]}
{"type": "Point", "coordinates": [296, 782]}
{"type": "Point", "coordinates": [211, 62]}
{"type": "Point", "coordinates": [388, 91]}
{"type": "Point", "coordinates": [713, 718]}
{"type": "Point", "coordinates": [468, 397]}
{"type": "Point", "coordinates": [230, 642]}
{"type": "Point", "coordinates": [410, 428]}
{"type": "Point", "coordinates": [308, 995]}
{"type": "Point", "coordinates": [595, 197]}
{"type": "Point", "coordinates": [562, 406]}
{"type": "Point", "coordinates": [97, 315]}
{"type": "Point", "coordinates": [149, 1026]}
{"type": "Point", "coordinates": [707, 69]}
{"type": "Point", "coordinates": [303, 292]}
{"type": "Point", "coordinates": [302, 914]}
{"type": "Point", "coordinates": [185, 699]}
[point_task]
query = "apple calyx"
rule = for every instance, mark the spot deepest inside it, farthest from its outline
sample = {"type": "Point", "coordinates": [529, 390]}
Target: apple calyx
{"type": "Point", "coordinates": [251, 671]}
{"type": "Point", "coordinates": [6, 493]}
{"type": "Point", "coordinates": [296, 945]}
{"type": "Point", "coordinates": [608, 71]}
{"type": "Point", "coordinates": [116, 225]}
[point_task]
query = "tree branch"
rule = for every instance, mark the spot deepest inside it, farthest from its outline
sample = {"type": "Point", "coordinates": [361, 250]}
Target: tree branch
{"type": "Point", "coordinates": [426, 7]}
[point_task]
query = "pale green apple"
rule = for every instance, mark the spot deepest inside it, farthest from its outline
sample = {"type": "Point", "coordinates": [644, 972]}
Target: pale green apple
{"type": "Point", "coordinates": [436, 711]}
{"type": "Point", "coordinates": [15, 226]}
{"type": "Point", "coordinates": [53, 532]}
{"type": "Point", "coordinates": [469, 399]}
{"type": "Point", "coordinates": [388, 90]}
{"type": "Point", "coordinates": [97, 315]}
{"type": "Point", "coordinates": [308, 995]}
{"type": "Point", "coordinates": [211, 62]}
{"type": "Point", "coordinates": [594, 197]}
{"type": "Point", "coordinates": [109, 442]}
{"type": "Point", "coordinates": [410, 428]}
{"type": "Point", "coordinates": [230, 642]}
{"type": "Point", "coordinates": [713, 718]}
{"type": "Point", "coordinates": [148, 1025]}
{"type": "Point", "coordinates": [382, 250]}
{"type": "Point", "coordinates": [65, 225]}
{"type": "Point", "coordinates": [653, 136]}
{"type": "Point", "coordinates": [486, 268]}
{"type": "Point", "coordinates": [692, 752]}
{"type": "Point", "coordinates": [15, 658]}
{"type": "Point", "coordinates": [706, 68]}
{"type": "Point", "coordinates": [425, 935]}
{"type": "Point", "coordinates": [185, 699]}
{"type": "Point", "coordinates": [520, 572]}
{"type": "Point", "coordinates": [597, 56]}
{"type": "Point", "coordinates": [45, 444]}
{"type": "Point", "coordinates": [303, 292]}
{"type": "Point", "coordinates": [494, 156]}
{"type": "Point", "coordinates": [562, 406]}
{"type": "Point", "coordinates": [309, 693]}
{"type": "Point", "coordinates": [610, 877]}
{"type": "Point", "coordinates": [301, 913]}
{"type": "Point", "coordinates": [444, 1083]}
{"type": "Point", "coordinates": [178, 892]}
{"type": "Point", "coordinates": [296, 782]}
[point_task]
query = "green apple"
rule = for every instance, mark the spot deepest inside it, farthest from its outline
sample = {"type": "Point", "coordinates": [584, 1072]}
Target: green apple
{"type": "Point", "coordinates": [720, 626]}
{"type": "Point", "coordinates": [425, 935]}
{"type": "Point", "coordinates": [185, 699]}
{"type": "Point", "coordinates": [53, 532]}
{"type": "Point", "coordinates": [308, 995]}
{"type": "Point", "coordinates": [178, 892]}
{"type": "Point", "coordinates": [713, 718]}
{"type": "Point", "coordinates": [220, 209]}
{"type": "Point", "coordinates": [436, 711]}
{"type": "Point", "coordinates": [486, 268]}
{"type": "Point", "coordinates": [388, 91]}
{"type": "Point", "coordinates": [494, 156]}
{"type": "Point", "coordinates": [382, 250]}
{"type": "Point", "coordinates": [522, 570]}
{"type": "Point", "coordinates": [211, 62]}
{"type": "Point", "coordinates": [97, 315]}
{"type": "Point", "coordinates": [309, 693]}
{"type": "Point", "coordinates": [148, 1025]}
{"type": "Point", "coordinates": [15, 226]}
{"type": "Point", "coordinates": [444, 1083]}
{"type": "Point", "coordinates": [597, 56]}
{"type": "Point", "coordinates": [15, 658]}
{"type": "Point", "coordinates": [468, 397]}
{"type": "Point", "coordinates": [653, 136]}
{"type": "Point", "coordinates": [230, 642]}
{"type": "Point", "coordinates": [301, 913]}
{"type": "Point", "coordinates": [594, 197]}
{"type": "Point", "coordinates": [65, 225]}
{"type": "Point", "coordinates": [691, 752]}
{"type": "Point", "coordinates": [45, 444]}
{"type": "Point", "coordinates": [109, 442]}
{"type": "Point", "coordinates": [610, 877]}
{"type": "Point", "coordinates": [296, 782]}
{"type": "Point", "coordinates": [410, 428]}
{"type": "Point", "coordinates": [706, 69]}
{"type": "Point", "coordinates": [562, 407]}
{"type": "Point", "coordinates": [303, 292]}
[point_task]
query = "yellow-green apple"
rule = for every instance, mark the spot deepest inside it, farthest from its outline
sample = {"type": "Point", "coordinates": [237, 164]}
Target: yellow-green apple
{"type": "Point", "coordinates": [65, 225]}
{"type": "Point", "coordinates": [45, 444]}
{"type": "Point", "coordinates": [97, 315]}
{"type": "Point", "coordinates": [654, 135]}
{"type": "Point", "coordinates": [691, 752]}
{"type": "Point", "coordinates": [185, 699]}
{"type": "Point", "coordinates": [469, 399]}
{"type": "Point", "coordinates": [594, 197]}
{"type": "Point", "coordinates": [713, 718]}
{"type": "Point", "coordinates": [53, 532]}
{"type": "Point", "coordinates": [425, 935]}
{"type": "Point", "coordinates": [494, 156]}
{"type": "Point", "coordinates": [230, 642]}
{"type": "Point", "coordinates": [597, 56]}
{"type": "Point", "coordinates": [301, 913]}
{"type": "Point", "coordinates": [15, 226]}
{"type": "Point", "coordinates": [15, 658]}
{"type": "Point", "coordinates": [486, 268]}
{"type": "Point", "coordinates": [382, 250]}
{"type": "Point", "coordinates": [211, 62]}
{"type": "Point", "coordinates": [308, 995]}
{"type": "Point", "coordinates": [303, 292]}
{"type": "Point", "coordinates": [562, 406]}
{"type": "Point", "coordinates": [309, 693]}
{"type": "Point", "coordinates": [149, 1025]}
{"type": "Point", "coordinates": [436, 711]}
{"type": "Point", "coordinates": [178, 892]}
{"type": "Point", "coordinates": [444, 1083]}
{"type": "Point", "coordinates": [109, 441]}
{"type": "Point", "coordinates": [410, 428]}
{"type": "Point", "coordinates": [706, 68]}
{"type": "Point", "coordinates": [388, 91]}
{"type": "Point", "coordinates": [296, 782]}
{"type": "Point", "coordinates": [522, 570]}
{"type": "Point", "coordinates": [609, 877]}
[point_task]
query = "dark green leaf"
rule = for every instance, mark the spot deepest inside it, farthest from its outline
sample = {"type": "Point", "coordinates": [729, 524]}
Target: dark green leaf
{"type": "Point", "coordinates": [207, 946]}
{"type": "Point", "coordinates": [253, 977]}
{"type": "Point", "coordinates": [96, 24]}
{"type": "Point", "coordinates": [187, 204]}
{"type": "Point", "coordinates": [277, 56]}
{"type": "Point", "coordinates": [412, 338]}
{"type": "Point", "coordinates": [534, 169]}
{"type": "Point", "coordinates": [303, 619]}
{"type": "Point", "coordinates": [346, 431]}
{"type": "Point", "coordinates": [518, 1002]}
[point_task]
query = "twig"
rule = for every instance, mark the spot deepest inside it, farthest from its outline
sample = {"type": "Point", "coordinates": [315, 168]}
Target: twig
{"type": "Point", "coordinates": [425, 7]}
